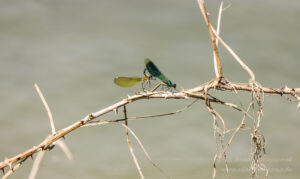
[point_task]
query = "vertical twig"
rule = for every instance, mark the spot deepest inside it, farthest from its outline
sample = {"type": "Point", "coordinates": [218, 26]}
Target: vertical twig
{"type": "Point", "coordinates": [212, 36]}
{"type": "Point", "coordinates": [217, 41]}
{"type": "Point", "coordinates": [220, 132]}
{"type": "Point", "coordinates": [258, 138]}
{"type": "Point", "coordinates": [130, 146]}
{"type": "Point", "coordinates": [216, 130]}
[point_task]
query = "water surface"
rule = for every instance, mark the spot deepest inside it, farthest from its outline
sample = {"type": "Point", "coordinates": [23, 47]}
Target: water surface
{"type": "Point", "coordinates": [74, 49]}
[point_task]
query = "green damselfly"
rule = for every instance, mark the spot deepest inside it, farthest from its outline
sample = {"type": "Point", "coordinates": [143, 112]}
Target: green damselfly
{"type": "Point", "coordinates": [155, 72]}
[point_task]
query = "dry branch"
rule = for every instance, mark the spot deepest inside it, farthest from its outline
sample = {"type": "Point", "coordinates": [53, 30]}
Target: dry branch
{"type": "Point", "coordinates": [185, 94]}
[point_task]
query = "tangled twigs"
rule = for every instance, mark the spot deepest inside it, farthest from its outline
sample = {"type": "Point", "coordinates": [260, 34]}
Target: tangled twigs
{"type": "Point", "coordinates": [220, 132]}
{"type": "Point", "coordinates": [259, 142]}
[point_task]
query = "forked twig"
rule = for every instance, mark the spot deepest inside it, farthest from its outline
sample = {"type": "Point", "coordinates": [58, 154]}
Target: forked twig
{"type": "Point", "coordinates": [101, 122]}
{"type": "Point", "coordinates": [213, 33]}
{"type": "Point", "coordinates": [236, 57]}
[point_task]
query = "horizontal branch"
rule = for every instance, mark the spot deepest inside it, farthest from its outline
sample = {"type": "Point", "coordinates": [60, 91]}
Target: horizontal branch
{"type": "Point", "coordinates": [281, 91]}
{"type": "Point", "coordinates": [47, 144]}
{"type": "Point", "coordinates": [245, 87]}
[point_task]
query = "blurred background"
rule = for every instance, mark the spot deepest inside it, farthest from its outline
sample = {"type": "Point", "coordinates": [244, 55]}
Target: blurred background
{"type": "Point", "coordinates": [74, 49]}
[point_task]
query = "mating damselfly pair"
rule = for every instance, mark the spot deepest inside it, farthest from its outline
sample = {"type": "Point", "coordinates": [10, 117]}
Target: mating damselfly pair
{"type": "Point", "coordinates": [153, 71]}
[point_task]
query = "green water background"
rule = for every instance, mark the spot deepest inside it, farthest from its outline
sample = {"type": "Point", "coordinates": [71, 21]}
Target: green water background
{"type": "Point", "coordinates": [74, 49]}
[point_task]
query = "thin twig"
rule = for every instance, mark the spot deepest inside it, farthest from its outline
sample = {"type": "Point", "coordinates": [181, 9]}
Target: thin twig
{"type": "Point", "coordinates": [65, 148]}
{"type": "Point", "coordinates": [46, 107]}
{"type": "Point", "coordinates": [36, 164]}
{"type": "Point", "coordinates": [14, 168]}
{"type": "Point", "coordinates": [217, 41]}
{"type": "Point", "coordinates": [215, 131]}
{"type": "Point", "coordinates": [145, 151]}
{"type": "Point", "coordinates": [101, 122]}
{"type": "Point", "coordinates": [236, 57]}
{"type": "Point", "coordinates": [213, 39]}
{"type": "Point", "coordinates": [236, 130]}
{"type": "Point", "coordinates": [104, 121]}
{"type": "Point", "coordinates": [130, 146]}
